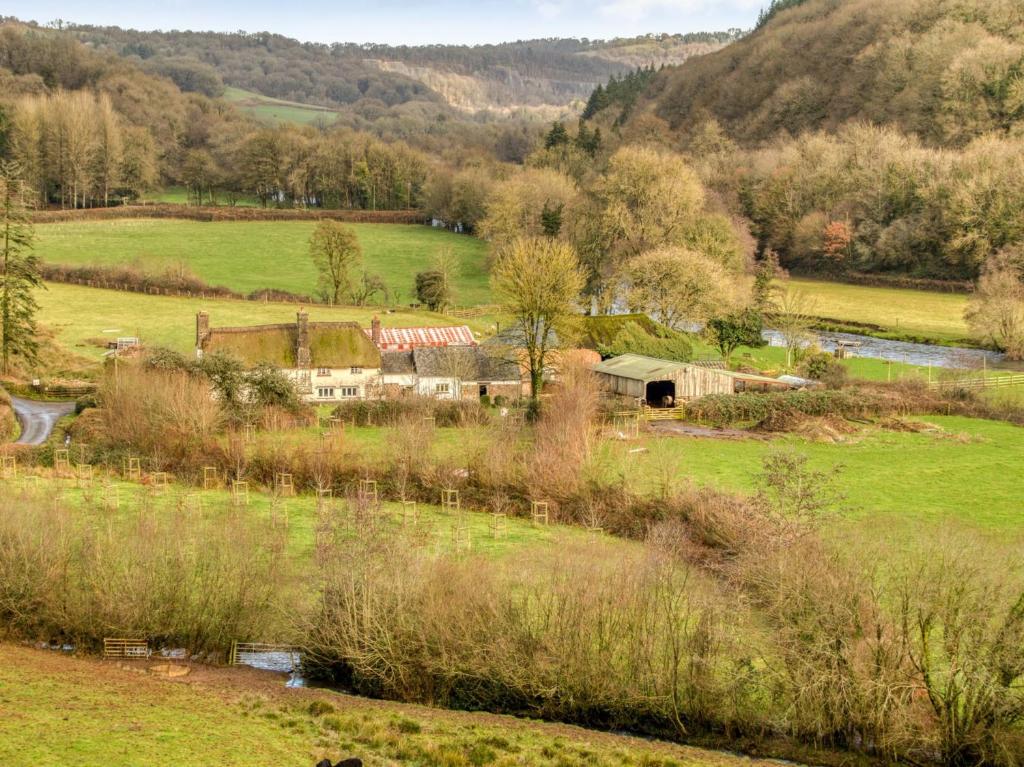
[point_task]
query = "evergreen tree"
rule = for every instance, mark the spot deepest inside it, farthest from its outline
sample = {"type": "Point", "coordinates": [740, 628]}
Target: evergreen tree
{"type": "Point", "coordinates": [557, 136]}
{"type": "Point", "coordinates": [19, 271]}
{"type": "Point", "coordinates": [551, 219]}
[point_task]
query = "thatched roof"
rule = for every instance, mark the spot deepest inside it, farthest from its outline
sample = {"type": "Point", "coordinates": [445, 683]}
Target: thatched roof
{"type": "Point", "coordinates": [331, 345]}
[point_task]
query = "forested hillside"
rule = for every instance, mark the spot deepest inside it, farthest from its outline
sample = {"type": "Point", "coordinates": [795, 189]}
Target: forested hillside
{"type": "Point", "coordinates": [882, 136]}
{"type": "Point", "coordinates": [945, 70]}
{"type": "Point", "coordinates": [534, 73]}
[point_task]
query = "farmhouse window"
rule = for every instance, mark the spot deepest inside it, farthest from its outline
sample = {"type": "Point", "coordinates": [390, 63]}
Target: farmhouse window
{"type": "Point", "coordinates": [325, 392]}
{"type": "Point", "coordinates": [323, 372]}
{"type": "Point", "coordinates": [442, 388]}
{"type": "Point", "coordinates": [350, 391]}
{"type": "Point", "coordinates": [357, 371]}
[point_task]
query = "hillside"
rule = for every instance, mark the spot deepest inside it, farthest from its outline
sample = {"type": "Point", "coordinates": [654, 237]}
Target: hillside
{"type": "Point", "coordinates": [521, 75]}
{"type": "Point", "coordinates": [945, 70]}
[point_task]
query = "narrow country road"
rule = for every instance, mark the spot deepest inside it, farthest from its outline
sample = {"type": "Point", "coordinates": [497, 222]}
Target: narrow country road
{"type": "Point", "coordinates": [38, 418]}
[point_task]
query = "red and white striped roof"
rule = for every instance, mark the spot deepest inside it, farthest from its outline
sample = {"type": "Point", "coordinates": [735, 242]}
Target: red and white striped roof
{"type": "Point", "coordinates": [406, 339]}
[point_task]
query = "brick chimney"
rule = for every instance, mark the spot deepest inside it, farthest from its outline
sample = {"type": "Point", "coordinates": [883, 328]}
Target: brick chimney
{"type": "Point", "coordinates": [303, 358]}
{"type": "Point", "coordinates": [202, 329]}
{"type": "Point", "coordinates": [375, 331]}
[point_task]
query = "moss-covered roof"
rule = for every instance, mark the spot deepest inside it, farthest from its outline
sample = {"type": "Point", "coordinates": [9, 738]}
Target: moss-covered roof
{"type": "Point", "coordinates": [331, 345]}
{"type": "Point", "coordinates": [601, 330]}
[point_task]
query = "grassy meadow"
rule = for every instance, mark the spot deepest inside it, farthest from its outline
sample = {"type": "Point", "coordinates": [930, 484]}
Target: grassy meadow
{"type": "Point", "coordinates": [902, 312]}
{"type": "Point", "coordinates": [897, 484]}
{"type": "Point", "coordinates": [118, 717]}
{"type": "Point", "coordinates": [248, 256]}
{"type": "Point", "coordinates": [277, 111]}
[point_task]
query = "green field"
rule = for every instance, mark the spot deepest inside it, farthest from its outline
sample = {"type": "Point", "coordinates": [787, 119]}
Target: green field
{"type": "Point", "coordinates": [919, 313]}
{"type": "Point", "coordinates": [248, 256]}
{"type": "Point", "coordinates": [965, 472]}
{"type": "Point", "coordinates": [277, 111]}
{"type": "Point", "coordinates": [56, 709]}
{"type": "Point", "coordinates": [84, 319]}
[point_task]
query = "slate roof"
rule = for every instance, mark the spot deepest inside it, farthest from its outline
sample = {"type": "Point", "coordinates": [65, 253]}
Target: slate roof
{"type": "Point", "coordinates": [405, 339]}
{"type": "Point", "coordinates": [468, 363]}
{"type": "Point", "coordinates": [397, 363]}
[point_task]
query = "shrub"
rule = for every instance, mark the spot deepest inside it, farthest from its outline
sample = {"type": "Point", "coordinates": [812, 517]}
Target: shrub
{"type": "Point", "coordinates": [824, 367]}
{"type": "Point", "coordinates": [391, 412]}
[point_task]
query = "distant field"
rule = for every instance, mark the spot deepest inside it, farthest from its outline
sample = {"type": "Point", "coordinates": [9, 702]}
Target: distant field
{"type": "Point", "coordinates": [277, 111]}
{"type": "Point", "coordinates": [939, 316]}
{"type": "Point", "coordinates": [894, 482]}
{"type": "Point", "coordinates": [247, 256]}
{"type": "Point", "coordinates": [235, 716]}
{"type": "Point", "coordinates": [83, 319]}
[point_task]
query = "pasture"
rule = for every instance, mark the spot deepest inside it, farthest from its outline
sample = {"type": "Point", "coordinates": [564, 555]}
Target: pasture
{"type": "Point", "coordinates": [249, 256]}
{"type": "Point", "coordinates": [938, 317]}
{"type": "Point", "coordinates": [961, 472]}
{"type": "Point", "coordinates": [112, 716]}
{"type": "Point", "coordinates": [278, 111]}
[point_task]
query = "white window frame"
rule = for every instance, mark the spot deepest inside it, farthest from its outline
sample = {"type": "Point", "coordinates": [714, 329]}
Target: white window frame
{"type": "Point", "coordinates": [349, 392]}
{"type": "Point", "coordinates": [323, 372]}
{"type": "Point", "coordinates": [320, 392]}
{"type": "Point", "coordinates": [356, 371]}
{"type": "Point", "coordinates": [442, 388]}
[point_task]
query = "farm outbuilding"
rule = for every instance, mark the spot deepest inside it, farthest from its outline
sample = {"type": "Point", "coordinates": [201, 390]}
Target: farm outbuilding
{"type": "Point", "coordinates": [661, 383]}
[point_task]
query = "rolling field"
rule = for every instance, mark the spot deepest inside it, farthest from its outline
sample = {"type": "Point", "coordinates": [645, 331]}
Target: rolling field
{"type": "Point", "coordinates": [938, 316]}
{"type": "Point", "coordinates": [966, 472]}
{"type": "Point", "coordinates": [84, 319]}
{"type": "Point", "coordinates": [56, 709]}
{"type": "Point", "coordinates": [277, 111]}
{"type": "Point", "coordinates": [248, 256]}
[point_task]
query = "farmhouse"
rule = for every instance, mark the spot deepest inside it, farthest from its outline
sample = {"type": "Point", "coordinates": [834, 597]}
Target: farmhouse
{"type": "Point", "coordinates": [661, 383]}
{"type": "Point", "coordinates": [327, 361]}
{"type": "Point", "coordinates": [450, 372]}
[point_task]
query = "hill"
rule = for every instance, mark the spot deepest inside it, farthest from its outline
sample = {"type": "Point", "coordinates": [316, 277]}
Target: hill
{"type": "Point", "coordinates": [945, 70]}
{"type": "Point", "coordinates": [532, 74]}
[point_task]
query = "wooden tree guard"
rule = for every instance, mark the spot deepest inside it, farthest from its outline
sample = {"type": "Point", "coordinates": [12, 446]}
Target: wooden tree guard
{"type": "Point", "coordinates": [278, 513]}
{"type": "Point", "coordinates": [499, 525]}
{"type": "Point", "coordinates": [133, 470]}
{"type": "Point", "coordinates": [539, 512]}
{"type": "Point", "coordinates": [460, 536]}
{"type": "Point", "coordinates": [368, 491]}
{"type": "Point", "coordinates": [61, 461]}
{"type": "Point", "coordinates": [284, 485]}
{"type": "Point", "coordinates": [84, 474]}
{"type": "Point", "coordinates": [429, 420]}
{"type": "Point", "coordinates": [239, 492]}
{"type": "Point", "coordinates": [160, 481]}
{"type": "Point", "coordinates": [112, 497]}
{"type": "Point", "coordinates": [627, 424]}
{"type": "Point", "coordinates": [450, 500]}
{"type": "Point", "coordinates": [410, 513]}
{"type": "Point", "coordinates": [335, 425]}
{"type": "Point", "coordinates": [210, 479]}
{"type": "Point", "coordinates": [191, 503]}
{"type": "Point", "coordinates": [9, 467]}
{"type": "Point", "coordinates": [249, 433]}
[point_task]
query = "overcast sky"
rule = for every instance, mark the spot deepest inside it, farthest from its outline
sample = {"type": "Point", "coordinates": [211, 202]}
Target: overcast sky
{"type": "Point", "coordinates": [404, 21]}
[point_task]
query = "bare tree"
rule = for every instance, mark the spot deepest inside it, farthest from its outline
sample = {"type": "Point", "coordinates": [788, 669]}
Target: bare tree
{"type": "Point", "coordinates": [337, 255]}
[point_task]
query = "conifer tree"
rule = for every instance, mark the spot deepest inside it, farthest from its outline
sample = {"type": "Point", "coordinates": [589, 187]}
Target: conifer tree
{"type": "Point", "coordinates": [19, 271]}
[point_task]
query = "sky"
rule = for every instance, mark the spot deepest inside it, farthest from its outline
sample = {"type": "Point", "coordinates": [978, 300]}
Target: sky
{"type": "Point", "coordinates": [399, 22]}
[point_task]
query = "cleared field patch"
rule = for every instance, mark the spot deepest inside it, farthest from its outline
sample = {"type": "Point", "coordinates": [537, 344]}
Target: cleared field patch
{"type": "Point", "coordinates": [277, 111]}
{"type": "Point", "coordinates": [938, 316]}
{"type": "Point", "coordinates": [967, 472]}
{"type": "Point", "coordinates": [251, 255]}
{"type": "Point", "coordinates": [229, 716]}
{"type": "Point", "coordinates": [84, 319]}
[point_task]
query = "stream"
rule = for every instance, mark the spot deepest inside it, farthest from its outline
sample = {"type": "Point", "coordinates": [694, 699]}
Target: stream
{"type": "Point", "coordinates": [902, 351]}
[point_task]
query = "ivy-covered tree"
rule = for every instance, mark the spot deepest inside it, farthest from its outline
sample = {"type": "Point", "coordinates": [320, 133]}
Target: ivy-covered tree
{"type": "Point", "coordinates": [729, 333]}
{"type": "Point", "coordinates": [19, 271]}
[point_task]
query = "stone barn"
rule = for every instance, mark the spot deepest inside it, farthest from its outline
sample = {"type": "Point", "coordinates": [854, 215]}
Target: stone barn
{"type": "Point", "coordinates": [662, 383]}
